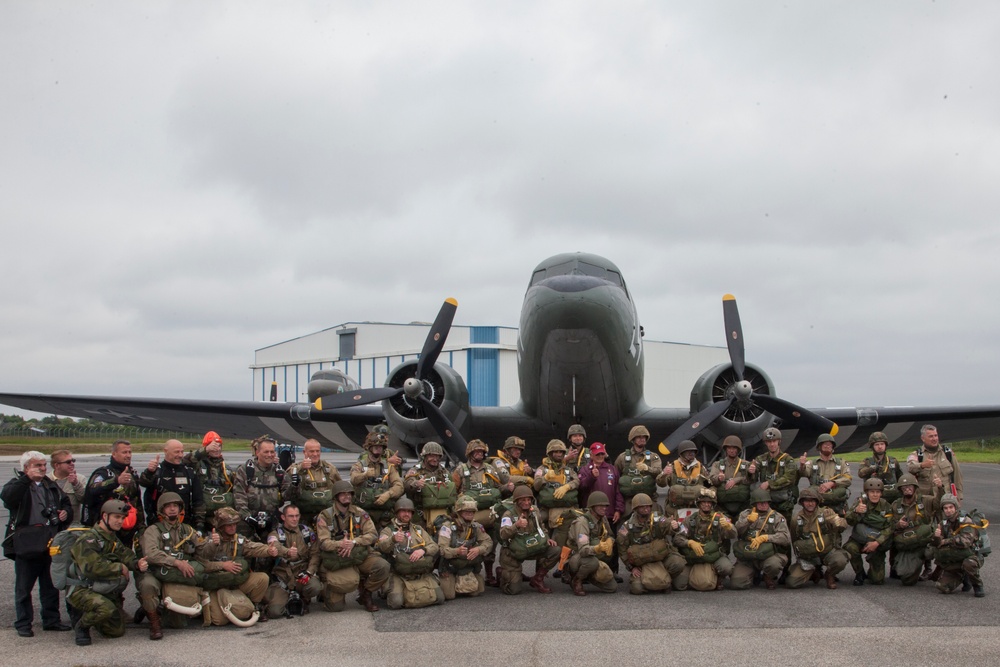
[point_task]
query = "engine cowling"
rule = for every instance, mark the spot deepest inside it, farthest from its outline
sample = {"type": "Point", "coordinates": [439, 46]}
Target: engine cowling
{"type": "Point", "coordinates": [443, 386]}
{"type": "Point", "coordinates": [744, 419]}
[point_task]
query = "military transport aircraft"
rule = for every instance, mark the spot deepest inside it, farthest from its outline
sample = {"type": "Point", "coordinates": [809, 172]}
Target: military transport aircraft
{"type": "Point", "coordinates": [580, 360]}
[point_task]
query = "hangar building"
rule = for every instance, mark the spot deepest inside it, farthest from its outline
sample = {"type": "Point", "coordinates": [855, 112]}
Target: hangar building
{"type": "Point", "coordinates": [485, 357]}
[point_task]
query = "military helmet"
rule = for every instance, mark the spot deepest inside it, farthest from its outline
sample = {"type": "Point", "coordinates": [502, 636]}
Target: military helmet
{"type": "Point", "coordinates": [226, 516]}
{"type": "Point", "coordinates": [760, 496]}
{"type": "Point", "coordinates": [115, 507]}
{"type": "Point", "coordinates": [576, 429]}
{"type": "Point", "coordinates": [555, 446]}
{"type": "Point", "coordinates": [376, 439]}
{"type": "Point", "coordinates": [637, 431]}
{"type": "Point", "coordinates": [706, 494]}
{"type": "Point", "coordinates": [873, 483]}
{"type": "Point", "coordinates": [733, 441]}
{"type": "Point", "coordinates": [403, 503]}
{"type": "Point", "coordinates": [950, 499]}
{"type": "Point", "coordinates": [522, 491]}
{"type": "Point", "coordinates": [431, 448]}
{"type": "Point", "coordinates": [166, 499]}
{"type": "Point", "coordinates": [598, 498]}
{"type": "Point", "coordinates": [825, 437]}
{"type": "Point", "coordinates": [878, 436]}
{"type": "Point", "coordinates": [686, 446]}
{"type": "Point", "coordinates": [465, 503]}
{"type": "Point", "coordinates": [809, 493]}
{"type": "Point", "coordinates": [512, 442]}
{"type": "Point", "coordinates": [342, 486]}
{"type": "Point", "coordinates": [474, 445]}
{"type": "Point", "coordinates": [641, 500]}
{"type": "Point", "coordinates": [771, 433]}
{"type": "Point", "coordinates": [906, 479]}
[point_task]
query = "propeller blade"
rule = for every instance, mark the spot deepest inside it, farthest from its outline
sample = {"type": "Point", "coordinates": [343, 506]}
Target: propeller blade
{"type": "Point", "coordinates": [358, 397]}
{"type": "Point", "coordinates": [436, 338]}
{"type": "Point", "coordinates": [734, 334]}
{"type": "Point", "coordinates": [274, 392]}
{"type": "Point", "coordinates": [790, 412]}
{"type": "Point", "coordinates": [695, 424]}
{"type": "Point", "coordinates": [451, 439]}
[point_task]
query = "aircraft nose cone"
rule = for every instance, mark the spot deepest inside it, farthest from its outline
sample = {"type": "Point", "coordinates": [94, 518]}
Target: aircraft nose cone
{"type": "Point", "coordinates": [742, 390]}
{"type": "Point", "coordinates": [412, 387]}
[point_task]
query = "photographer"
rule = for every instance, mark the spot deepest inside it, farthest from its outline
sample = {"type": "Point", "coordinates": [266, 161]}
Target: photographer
{"type": "Point", "coordinates": [38, 510]}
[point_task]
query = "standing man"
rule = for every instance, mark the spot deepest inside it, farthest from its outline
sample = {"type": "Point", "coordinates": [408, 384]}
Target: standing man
{"type": "Point", "coordinates": [484, 483]}
{"type": "Point", "coordinates": [172, 474]}
{"type": "Point", "coordinates": [776, 472]}
{"type": "Point", "coordinates": [309, 483]}
{"type": "Point", "coordinates": [215, 477]}
{"type": "Point", "coordinates": [935, 466]}
{"type": "Point", "coordinates": [518, 469]}
{"type": "Point", "coordinates": [638, 467]}
{"type": "Point", "coordinates": [686, 477]}
{"type": "Point", "coordinates": [556, 484]}
{"type": "Point", "coordinates": [102, 563]}
{"type": "Point", "coordinates": [830, 475]}
{"type": "Point", "coordinates": [64, 475]}
{"type": "Point", "coordinates": [38, 510]}
{"type": "Point", "coordinates": [257, 489]}
{"type": "Point", "coordinates": [429, 485]}
{"type": "Point", "coordinates": [599, 475]}
{"type": "Point", "coordinates": [730, 477]}
{"type": "Point", "coordinates": [578, 454]}
{"type": "Point", "coordinates": [880, 465]}
{"type": "Point", "coordinates": [295, 574]}
{"type": "Point", "coordinates": [116, 481]}
{"type": "Point", "coordinates": [376, 479]}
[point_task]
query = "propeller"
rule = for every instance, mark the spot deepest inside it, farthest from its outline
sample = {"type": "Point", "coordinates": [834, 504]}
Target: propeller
{"type": "Point", "coordinates": [742, 391]}
{"type": "Point", "coordinates": [274, 392]}
{"type": "Point", "coordinates": [414, 388]}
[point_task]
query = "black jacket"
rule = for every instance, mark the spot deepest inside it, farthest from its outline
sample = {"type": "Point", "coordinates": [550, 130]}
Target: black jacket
{"type": "Point", "coordinates": [17, 498]}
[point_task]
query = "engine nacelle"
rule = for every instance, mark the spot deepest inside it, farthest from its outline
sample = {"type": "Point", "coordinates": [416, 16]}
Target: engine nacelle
{"type": "Point", "coordinates": [444, 387]}
{"type": "Point", "coordinates": [743, 419]}
{"type": "Point", "coordinates": [330, 381]}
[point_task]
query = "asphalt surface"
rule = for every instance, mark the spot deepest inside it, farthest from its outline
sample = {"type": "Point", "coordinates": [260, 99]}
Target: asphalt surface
{"type": "Point", "coordinates": [869, 625]}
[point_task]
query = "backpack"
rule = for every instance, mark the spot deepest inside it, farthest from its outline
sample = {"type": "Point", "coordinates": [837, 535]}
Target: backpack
{"type": "Point", "coordinates": [979, 520]}
{"type": "Point", "coordinates": [64, 572]}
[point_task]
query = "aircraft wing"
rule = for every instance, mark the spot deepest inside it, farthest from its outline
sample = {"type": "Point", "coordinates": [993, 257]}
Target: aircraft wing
{"type": "Point", "coordinates": [344, 429]}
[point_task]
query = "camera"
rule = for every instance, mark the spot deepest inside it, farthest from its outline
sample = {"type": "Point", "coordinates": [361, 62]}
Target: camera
{"type": "Point", "coordinates": [50, 514]}
{"type": "Point", "coordinates": [295, 606]}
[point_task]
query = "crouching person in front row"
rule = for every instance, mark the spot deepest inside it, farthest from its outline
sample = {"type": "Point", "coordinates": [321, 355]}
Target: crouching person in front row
{"type": "Point", "coordinates": [346, 537]}
{"type": "Point", "coordinates": [411, 552]}
{"type": "Point", "coordinates": [295, 581]}
{"type": "Point", "coordinates": [762, 550]}
{"type": "Point", "coordinates": [592, 542]}
{"type": "Point", "coordinates": [464, 546]}
{"type": "Point", "coordinates": [102, 563]}
{"type": "Point", "coordinates": [523, 537]}
{"type": "Point", "coordinates": [227, 568]}
{"type": "Point", "coordinates": [170, 547]}
{"type": "Point", "coordinates": [646, 547]}
{"type": "Point", "coordinates": [957, 548]}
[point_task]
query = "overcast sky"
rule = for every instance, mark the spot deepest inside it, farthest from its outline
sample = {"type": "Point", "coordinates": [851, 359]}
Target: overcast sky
{"type": "Point", "coordinates": [182, 183]}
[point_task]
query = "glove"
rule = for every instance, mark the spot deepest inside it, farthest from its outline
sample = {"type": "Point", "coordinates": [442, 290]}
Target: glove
{"type": "Point", "coordinates": [302, 578]}
{"type": "Point", "coordinates": [753, 516]}
{"type": "Point", "coordinates": [296, 478]}
{"type": "Point", "coordinates": [604, 547]}
{"type": "Point", "coordinates": [696, 547]}
{"type": "Point", "coordinates": [561, 491]}
{"type": "Point", "coordinates": [641, 466]}
{"type": "Point", "coordinates": [382, 499]}
{"type": "Point", "coordinates": [757, 541]}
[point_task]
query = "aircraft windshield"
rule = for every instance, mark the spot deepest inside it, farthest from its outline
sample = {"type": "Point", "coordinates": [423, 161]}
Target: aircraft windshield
{"type": "Point", "coordinates": [577, 267]}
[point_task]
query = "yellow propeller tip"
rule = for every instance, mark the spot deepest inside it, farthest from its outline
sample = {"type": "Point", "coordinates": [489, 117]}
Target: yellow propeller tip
{"type": "Point", "coordinates": [728, 297]}
{"type": "Point", "coordinates": [663, 449]}
{"type": "Point", "coordinates": [452, 301]}
{"type": "Point", "coordinates": [834, 430]}
{"type": "Point", "coordinates": [318, 403]}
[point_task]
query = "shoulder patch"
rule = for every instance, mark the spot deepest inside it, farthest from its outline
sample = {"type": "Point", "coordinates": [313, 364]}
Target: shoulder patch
{"type": "Point", "coordinates": [506, 521]}
{"type": "Point", "coordinates": [445, 531]}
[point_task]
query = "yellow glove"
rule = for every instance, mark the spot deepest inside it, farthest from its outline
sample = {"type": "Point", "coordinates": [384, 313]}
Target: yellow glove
{"type": "Point", "coordinates": [752, 517]}
{"type": "Point", "coordinates": [561, 491]}
{"type": "Point", "coordinates": [604, 547]}
{"type": "Point", "coordinates": [382, 499]}
{"type": "Point", "coordinates": [757, 541]}
{"type": "Point", "coordinates": [641, 466]}
{"type": "Point", "coordinates": [696, 548]}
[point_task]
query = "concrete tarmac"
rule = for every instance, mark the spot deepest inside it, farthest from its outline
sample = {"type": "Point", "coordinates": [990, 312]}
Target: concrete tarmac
{"type": "Point", "coordinates": [868, 625]}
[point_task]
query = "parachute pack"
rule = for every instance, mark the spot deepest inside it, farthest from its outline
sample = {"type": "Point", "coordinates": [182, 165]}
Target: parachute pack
{"type": "Point", "coordinates": [63, 570]}
{"type": "Point", "coordinates": [977, 519]}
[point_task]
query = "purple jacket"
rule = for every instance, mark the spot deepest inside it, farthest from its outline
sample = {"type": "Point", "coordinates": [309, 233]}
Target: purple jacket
{"type": "Point", "coordinates": [604, 478]}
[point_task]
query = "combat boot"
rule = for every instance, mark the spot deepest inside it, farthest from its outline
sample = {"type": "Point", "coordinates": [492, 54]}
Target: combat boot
{"type": "Point", "coordinates": [262, 616]}
{"type": "Point", "coordinates": [82, 631]}
{"type": "Point", "coordinates": [365, 599]}
{"type": "Point", "coordinates": [859, 579]}
{"type": "Point", "coordinates": [538, 582]}
{"type": "Point", "coordinates": [966, 584]}
{"type": "Point", "coordinates": [980, 592]}
{"type": "Point", "coordinates": [769, 582]}
{"type": "Point", "coordinates": [831, 580]}
{"type": "Point", "coordinates": [491, 580]}
{"type": "Point", "coordinates": [577, 585]}
{"type": "Point", "coordinates": [816, 576]}
{"type": "Point", "coordinates": [155, 630]}
{"type": "Point", "coordinates": [139, 616]}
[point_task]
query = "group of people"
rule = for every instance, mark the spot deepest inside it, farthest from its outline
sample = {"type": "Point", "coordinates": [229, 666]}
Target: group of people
{"type": "Point", "coordinates": [244, 544]}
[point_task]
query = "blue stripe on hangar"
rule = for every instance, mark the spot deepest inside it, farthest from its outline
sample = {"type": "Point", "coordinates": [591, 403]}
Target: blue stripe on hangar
{"type": "Point", "coordinates": [484, 367]}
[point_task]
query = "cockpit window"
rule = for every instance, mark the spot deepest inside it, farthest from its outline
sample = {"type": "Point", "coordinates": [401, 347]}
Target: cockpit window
{"type": "Point", "coordinates": [577, 267]}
